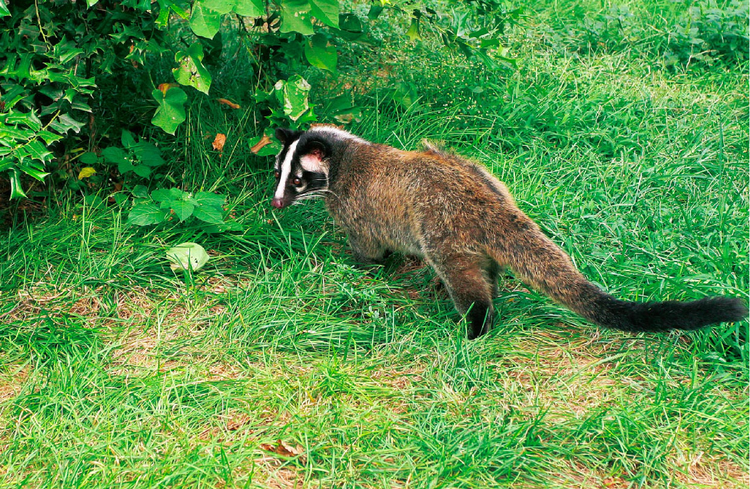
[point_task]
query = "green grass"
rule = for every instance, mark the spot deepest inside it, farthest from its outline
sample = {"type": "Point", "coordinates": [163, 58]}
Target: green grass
{"type": "Point", "coordinates": [282, 365]}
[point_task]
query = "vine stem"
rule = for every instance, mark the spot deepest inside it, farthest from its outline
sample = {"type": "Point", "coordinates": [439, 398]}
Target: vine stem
{"type": "Point", "coordinates": [39, 21]}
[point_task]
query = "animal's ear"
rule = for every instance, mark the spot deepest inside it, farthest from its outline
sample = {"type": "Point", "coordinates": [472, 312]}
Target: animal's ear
{"type": "Point", "coordinates": [314, 154]}
{"type": "Point", "coordinates": [318, 149]}
{"type": "Point", "coordinates": [283, 135]}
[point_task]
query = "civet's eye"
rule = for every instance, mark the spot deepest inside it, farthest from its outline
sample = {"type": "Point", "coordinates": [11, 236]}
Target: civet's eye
{"type": "Point", "coordinates": [297, 182]}
{"type": "Point", "coordinates": [276, 173]}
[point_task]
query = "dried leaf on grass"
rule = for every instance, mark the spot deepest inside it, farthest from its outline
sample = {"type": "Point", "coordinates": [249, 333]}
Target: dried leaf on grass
{"type": "Point", "coordinates": [264, 141]}
{"type": "Point", "coordinates": [286, 450]}
{"type": "Point", "coordinates": [229, 103]}
{"type": "Point", "coordinates": [219, 141]}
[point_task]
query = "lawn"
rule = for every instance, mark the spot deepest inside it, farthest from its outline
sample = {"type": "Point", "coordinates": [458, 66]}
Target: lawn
{"type": "Point", "coordinates": [281, 364]}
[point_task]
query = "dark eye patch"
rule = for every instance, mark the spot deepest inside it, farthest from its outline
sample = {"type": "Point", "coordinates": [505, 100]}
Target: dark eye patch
{"type": "Point", "coordinates": [315, 180]}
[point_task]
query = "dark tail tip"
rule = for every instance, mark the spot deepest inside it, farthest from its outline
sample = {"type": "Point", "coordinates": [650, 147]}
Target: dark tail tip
{"type": "Point", "coordinates": [664, 316]}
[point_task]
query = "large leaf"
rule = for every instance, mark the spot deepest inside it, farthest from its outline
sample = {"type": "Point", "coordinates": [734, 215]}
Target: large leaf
{"type": "Point", "coordinates": [210, 199]}
{"type": "Point", "coordinates": [191, 70]}
{"type": "Point", "coordinates": [209, 208]}
{"type": "Point", "coordinates": [171, 110]}
{"type": "Point", "coordinates": [182, 209]}
{"type": "Point", "coordinates": [296, 17]}
{"type": "Point", "coordinates": [249, 8]}
{"type": "Point", "coordinates": [350, 27]}
{"type": "Point", "coordinates": [220, 6]}
{"type": "Point", "coordinates": [320, 54]}
{"type": "Point", "coordinates": [162, 194]}
{"type": "Point", "coordinates": [204, 20]}
{"type": "Point", "coordinates": [293, 95]}
{"type": "Point", "coordinates": [326, 11]}
{"type": "Point", "coordinates": [147, 213]}
{"type": "Point", "coordinates": [188, 256]}
{"type": "Point", "coordinates": [209, 214]}
{"type": "Point", "coordinates": [4, 12]}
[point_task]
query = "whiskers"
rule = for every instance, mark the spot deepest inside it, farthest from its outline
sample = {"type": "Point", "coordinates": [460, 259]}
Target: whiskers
{"type": "Point", "coordinates": [314, 194]}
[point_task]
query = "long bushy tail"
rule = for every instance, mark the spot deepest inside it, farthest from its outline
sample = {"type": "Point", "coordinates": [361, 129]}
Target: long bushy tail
{"type": "Point", "coordinates": [539, 262]}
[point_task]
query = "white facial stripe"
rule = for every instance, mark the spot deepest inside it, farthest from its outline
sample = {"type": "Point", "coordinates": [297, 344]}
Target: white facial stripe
{"type": "Point", "coordinates": [286, 169]}
{"type": "Point", "coordinates": [312, 164]}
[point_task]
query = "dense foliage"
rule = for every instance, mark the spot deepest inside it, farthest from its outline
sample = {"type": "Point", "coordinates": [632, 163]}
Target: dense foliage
{"type": "Point", "coordinates": [57, 55]}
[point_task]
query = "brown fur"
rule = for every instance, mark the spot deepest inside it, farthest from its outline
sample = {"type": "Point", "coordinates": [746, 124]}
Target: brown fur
{"type": "Point", "coordinates": [463, 222]}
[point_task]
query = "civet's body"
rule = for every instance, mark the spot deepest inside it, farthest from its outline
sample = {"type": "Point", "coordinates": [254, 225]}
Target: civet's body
{"type": "Point", "coordinates": [462, 221]}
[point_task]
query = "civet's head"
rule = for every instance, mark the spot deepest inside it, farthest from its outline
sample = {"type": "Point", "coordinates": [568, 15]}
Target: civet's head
{"type": "Point", "coordinates": [301, 169]}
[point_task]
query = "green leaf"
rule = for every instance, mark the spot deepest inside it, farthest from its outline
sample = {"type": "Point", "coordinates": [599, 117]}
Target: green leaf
{"type": "Point", "coordinates": [38, 151]}
{"type": "Point", "coordinates": [120, 198]}
{"type": "Point", "coordinates": [146, 213]}
{"type": "Point", "coordinates": [115, 155]}
{"type": "Point", "coordinates": [210, 199]}
{"type": "Point", "coordinates": [142, 171]}
{"type": "Point", "coordinates": [250, 8]}
{"type": "Point", "coordinates": [178, 194]}
{"type": "Point", "coordinates": [191, 70]}
{"type": "Point", "coordinates": [171, 110]}
{"type": "Point", "coordinates": [65, 123]}
{"type": "Point", "coordinates": [161, 195]}
{"type": "Point", "coordinates": [350, 27]}
{"type": "Point", "coordinates": [49, 137]}
{"type": "Point", "coordinates": [293, 95]}
{"type": "Point", "coordinates": [187, 256]}
{"type": "Point", "coordinates": [7, 163]}
{"type": "Point", "coordinates": [295, 17]}
{"type": "Point", "coordinates": [148, 154]}
{"type": "Point", "coordinates": [89, 158]}
{"type": "Point", "coordinates": [211, 215]}
{"type": "Point", "coordinates": [326, 11]}
{"type": "Point", "coordinates": [4, 12]}
{"type": "Point", "coordinates": [32, 169]}
{"type": "Point", "coordinates": [124, 167]}
{"type": "Point", "coordinates": [413, 32]}
{"type": "Point", "coordinates": [166, 6]}
{"type": "Point", "coordinates": [182, 209]}
{"type": "Point", "coordinates": [140, 191]}
{"type": "Point", "coordinates": [16, 191]}
{"type": "Point", "coordinates": [28, 119]}
{"type": "Point", "coordinates": [209, 208]}
{"type": "Point", "coordinates": [320, 54]}
{"type": "Point", "coordinates": [375, 11]}
{"type": "Point", "coordinates": [14, 94]}
{"type": "Point", "coordinates": [204, 21]}
{"type": "Point", "coordinates": [220, 6]}
{"type": "Point", "coordinates": [127, 139]}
